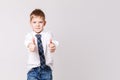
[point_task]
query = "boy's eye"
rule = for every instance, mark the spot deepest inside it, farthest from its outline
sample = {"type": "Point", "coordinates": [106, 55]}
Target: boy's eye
{"type": "Point", "coordinates": [41, 22]}
{"type": "Point", "coordinates": [34, 22]}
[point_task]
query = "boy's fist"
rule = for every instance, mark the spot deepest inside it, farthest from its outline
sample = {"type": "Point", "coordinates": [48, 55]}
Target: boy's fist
{"type": "Point", "coordinates": [32, 45]}
{"type": "Point", "coordinates": [52, 46]}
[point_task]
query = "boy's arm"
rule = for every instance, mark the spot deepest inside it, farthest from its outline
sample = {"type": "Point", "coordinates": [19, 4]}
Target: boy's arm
{"type": "Point", "coordinates": [29, 43]}
{"type": "Point", "coordinates": [52, 44]}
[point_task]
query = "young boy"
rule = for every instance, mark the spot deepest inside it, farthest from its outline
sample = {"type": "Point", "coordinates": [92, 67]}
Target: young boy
{"type": "Point", "coordinates": [40, 47]}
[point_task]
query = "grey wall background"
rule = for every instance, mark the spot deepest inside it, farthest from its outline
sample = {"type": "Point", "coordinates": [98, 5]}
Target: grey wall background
{"type": "Point", "coordinates": [88, 32]}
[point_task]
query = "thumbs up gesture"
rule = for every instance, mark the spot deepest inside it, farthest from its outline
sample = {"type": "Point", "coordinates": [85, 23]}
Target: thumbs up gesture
{"type": "Point", "coordinates": [32, 45]}
{"type": "Point", "coordinates": [52, 46]}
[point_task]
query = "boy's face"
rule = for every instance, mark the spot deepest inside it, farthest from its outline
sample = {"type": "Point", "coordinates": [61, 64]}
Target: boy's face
{"type": "Point", "coordinates": [37, 24]}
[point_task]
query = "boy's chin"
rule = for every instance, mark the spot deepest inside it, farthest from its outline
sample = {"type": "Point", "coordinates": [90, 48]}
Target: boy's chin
{"type": "Point", "coordinates": [37, 31]}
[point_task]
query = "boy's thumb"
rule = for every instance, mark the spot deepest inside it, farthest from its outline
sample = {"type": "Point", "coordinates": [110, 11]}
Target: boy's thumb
{"type": "Point", "coordinates": [50, 40]}
{"type": "Point", "coordinates": [33, 40]}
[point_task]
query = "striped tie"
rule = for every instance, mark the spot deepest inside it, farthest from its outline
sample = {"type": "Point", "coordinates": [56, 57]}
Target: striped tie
{"type": "Point", "coordinates": [40, 50]}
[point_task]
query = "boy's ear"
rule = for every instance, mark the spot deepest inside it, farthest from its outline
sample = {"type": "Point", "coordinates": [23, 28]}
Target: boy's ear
{"type": "Point", "coordinates": [44, 23]}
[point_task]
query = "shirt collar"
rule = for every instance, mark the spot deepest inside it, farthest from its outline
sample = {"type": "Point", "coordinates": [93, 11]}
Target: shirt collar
{"type": "Point", "coordinates": [34, 33]}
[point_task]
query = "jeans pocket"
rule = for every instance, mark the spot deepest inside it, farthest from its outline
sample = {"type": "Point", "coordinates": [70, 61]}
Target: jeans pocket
{"type": "Point", "coordinates": [32, 72]}
{"type": "Point", "coordinates": [46, 74]}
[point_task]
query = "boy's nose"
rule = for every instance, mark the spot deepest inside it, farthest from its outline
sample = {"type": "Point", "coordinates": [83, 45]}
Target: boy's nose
{"type": "Point", "coordinates": [38, 25]}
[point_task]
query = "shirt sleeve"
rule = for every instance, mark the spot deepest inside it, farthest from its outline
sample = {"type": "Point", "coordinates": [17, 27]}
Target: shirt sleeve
{"type": "Point", "coordinates": [49, 37]}
{"type": "Point", "coordinates": [28, 38]}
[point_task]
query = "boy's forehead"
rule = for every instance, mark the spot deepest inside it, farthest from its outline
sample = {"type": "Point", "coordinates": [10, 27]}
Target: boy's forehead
{"type": "Point", "coordinates": [37, 17]}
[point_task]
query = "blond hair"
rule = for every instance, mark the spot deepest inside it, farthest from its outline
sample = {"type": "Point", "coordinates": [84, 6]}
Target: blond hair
{"type": "Point", "coordinates": [38, 13]}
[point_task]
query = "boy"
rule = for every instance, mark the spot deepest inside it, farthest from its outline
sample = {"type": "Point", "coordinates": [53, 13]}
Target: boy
{"type": "Point", "coordinates": [40, 47]}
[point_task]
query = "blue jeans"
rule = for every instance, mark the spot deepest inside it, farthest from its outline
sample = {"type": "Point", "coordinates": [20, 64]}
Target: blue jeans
{"type": "Point", "coordinates": [39, 73]}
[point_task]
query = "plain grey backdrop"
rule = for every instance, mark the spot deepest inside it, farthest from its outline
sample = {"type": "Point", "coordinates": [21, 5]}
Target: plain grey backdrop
{"type": "Point", "coordinates": [88, 32]}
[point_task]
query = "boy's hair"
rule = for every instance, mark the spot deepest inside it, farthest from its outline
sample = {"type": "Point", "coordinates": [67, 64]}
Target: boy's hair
{"type": "Point", "coordinates": [38, 13]}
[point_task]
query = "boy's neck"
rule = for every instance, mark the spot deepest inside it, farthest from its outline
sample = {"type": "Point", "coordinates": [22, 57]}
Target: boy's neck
{"type": "Point", "coordinates": [37, 32]}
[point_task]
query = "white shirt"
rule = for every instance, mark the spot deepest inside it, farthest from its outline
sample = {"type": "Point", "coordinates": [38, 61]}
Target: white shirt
{"type": "Point", "coordinates": [33, 57]}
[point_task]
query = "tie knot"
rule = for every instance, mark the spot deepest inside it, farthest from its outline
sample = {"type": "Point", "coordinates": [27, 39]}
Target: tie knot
{"type": "Point", "coordinates": [38, 36]}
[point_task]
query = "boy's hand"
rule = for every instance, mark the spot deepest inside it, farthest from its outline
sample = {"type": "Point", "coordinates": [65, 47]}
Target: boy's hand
{"type": "Point", "coordinates": [52, 46]}
{"type": "Point", "coordinates": [32, 45]}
